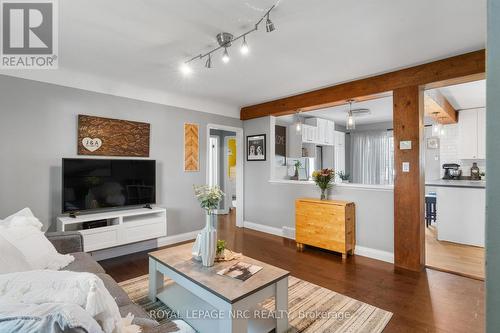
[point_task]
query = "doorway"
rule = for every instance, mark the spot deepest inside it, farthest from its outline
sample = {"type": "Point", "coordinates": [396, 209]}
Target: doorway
{"type": "Point", "coordinates": [455, 169]}
{"type": "Point", "coordinates": [225, 168]}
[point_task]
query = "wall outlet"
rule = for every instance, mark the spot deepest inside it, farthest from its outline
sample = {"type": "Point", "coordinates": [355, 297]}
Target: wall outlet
{"type": "Point", "coordinates": [406, 166]}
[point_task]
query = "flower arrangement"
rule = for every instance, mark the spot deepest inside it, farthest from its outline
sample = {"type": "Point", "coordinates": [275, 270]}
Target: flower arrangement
{"type": "Point", "coordinates": [208, 196]}
{"type": "Point", "coordinates": [324, 178]}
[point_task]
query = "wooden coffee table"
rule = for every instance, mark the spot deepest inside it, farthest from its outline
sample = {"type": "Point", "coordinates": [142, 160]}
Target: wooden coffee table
{"type": "Point", "coordinates": [213, 303]}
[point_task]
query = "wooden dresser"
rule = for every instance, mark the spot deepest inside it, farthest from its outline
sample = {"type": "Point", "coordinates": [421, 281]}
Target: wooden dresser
{"type": "Point", "coordinates": [327, 224]}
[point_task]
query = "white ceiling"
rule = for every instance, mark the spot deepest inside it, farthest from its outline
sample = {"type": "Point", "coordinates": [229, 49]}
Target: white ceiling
{"type": "Point", "coordinates": [133, 48]}
{"type": "Point", "coordinates": [466, 96]}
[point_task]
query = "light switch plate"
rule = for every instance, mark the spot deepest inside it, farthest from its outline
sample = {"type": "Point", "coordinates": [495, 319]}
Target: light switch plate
{"type": "Point", "coordinates": [404, 145]}
{"type": "Point", "coordinates": [406, 166]}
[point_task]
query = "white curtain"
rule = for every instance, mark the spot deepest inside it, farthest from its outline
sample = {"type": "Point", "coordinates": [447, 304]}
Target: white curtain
{"type": "Point", "coordinates": [372, 157]}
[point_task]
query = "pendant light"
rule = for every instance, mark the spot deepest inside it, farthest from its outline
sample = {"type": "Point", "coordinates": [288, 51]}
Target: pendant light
{"type": "Point", "coordinates": [350, 123]}
{"type": "Point", "coordinates": [298, 123]}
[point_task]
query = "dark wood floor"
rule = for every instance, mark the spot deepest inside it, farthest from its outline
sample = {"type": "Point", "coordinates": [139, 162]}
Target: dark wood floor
{"type": "Point", "coordinates": [430, 301]}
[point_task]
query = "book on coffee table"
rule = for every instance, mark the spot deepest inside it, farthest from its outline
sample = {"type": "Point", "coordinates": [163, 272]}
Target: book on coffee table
{"type": "Point", "coordinates": [241, 271]}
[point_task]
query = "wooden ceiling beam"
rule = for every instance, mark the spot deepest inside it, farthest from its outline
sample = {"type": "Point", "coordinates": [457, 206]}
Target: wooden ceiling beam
{"type": "Point", "coordinates": [438, 108]}
{"type": "Point", "coordinates": [463, 68]}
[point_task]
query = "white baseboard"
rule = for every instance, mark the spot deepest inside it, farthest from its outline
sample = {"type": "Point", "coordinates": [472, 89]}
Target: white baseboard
{"type": "Point", "coordinates": [264, 228]}
{"type": "Point", "coordinates": [374, 254]}
{"type": "Point", "coordinates": [143, 246]}
{"type": "Point", "coordinates": [289, 232]}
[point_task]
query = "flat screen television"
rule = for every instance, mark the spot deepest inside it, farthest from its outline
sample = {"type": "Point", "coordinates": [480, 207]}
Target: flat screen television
{"type": "Point", "coordinates": [92, 184]}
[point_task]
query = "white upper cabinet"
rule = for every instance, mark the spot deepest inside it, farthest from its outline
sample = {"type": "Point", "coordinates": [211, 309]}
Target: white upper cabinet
{"type": "Point", "coordinates": [472, 135]}
{"type": "Point", "coordinates": [319, 131]}
{"type": "Point", "coordinates": [481, 134]}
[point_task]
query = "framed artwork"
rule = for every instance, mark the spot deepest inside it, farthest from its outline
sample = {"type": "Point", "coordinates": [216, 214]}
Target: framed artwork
{"type": "Point", "coordinates": [280, 145]}
{"type": "Point", "coordinates": [433, 143]}
{"type": "Point", "coordinates": [256, 147]}
{"type": "Point", "coordinates": [191, 148]}
{"type": "Point", "coordinates": [112, 137]}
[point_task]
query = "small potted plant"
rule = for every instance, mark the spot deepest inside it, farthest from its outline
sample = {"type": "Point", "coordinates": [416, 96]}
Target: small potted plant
{"type": "Point", "coordinates": [483, 175]}
{"type": "Point", "coordinates": [206, 242]}
{"type": "Point", "coordinates": [324, 178]}
{"type": "Point", "coordinates": [344, 177]}
{"type": "Point", "coordinates": [297, 166]}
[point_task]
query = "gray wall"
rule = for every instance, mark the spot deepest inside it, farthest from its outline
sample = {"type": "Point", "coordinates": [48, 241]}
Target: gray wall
{"type": "Point", "coordinates": [38, 127]}
{"type": "Point", "coordinates": [493, 166]}
{"type": "Point", "coordinates": [273, 204]}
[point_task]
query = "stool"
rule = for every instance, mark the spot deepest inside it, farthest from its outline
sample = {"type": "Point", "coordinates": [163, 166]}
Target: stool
{"type": "Point", "coordinates": [430, 209]}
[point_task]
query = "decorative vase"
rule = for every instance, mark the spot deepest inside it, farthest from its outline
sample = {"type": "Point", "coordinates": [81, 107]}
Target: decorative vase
{"type": "Point", "coordinates": [324, 194]}
{"type": "Point", "coordinates": [208, 241]}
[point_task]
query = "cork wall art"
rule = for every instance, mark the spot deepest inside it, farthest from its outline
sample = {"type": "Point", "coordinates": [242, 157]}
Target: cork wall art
{"type": "Point", "coordinates": [191, 148]}
{"type": "Point", "coordinates": [112, 137]}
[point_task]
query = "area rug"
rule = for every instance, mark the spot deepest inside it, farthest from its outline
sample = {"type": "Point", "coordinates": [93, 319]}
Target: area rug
{"type": "Point", "coordinates": [311, 308]}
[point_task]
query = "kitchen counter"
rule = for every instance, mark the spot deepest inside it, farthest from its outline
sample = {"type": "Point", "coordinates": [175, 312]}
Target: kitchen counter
{"type": "Point", "coordinates": [456, 183]}
{"type": "Point", "coordinates": [460, 207]}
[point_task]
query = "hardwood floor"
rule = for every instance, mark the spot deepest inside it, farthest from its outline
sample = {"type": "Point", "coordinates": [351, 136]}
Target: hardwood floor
{"type": "Point", "coordinates": [455, 258]}
{"type": "Point", "coordinates": [430, 301]}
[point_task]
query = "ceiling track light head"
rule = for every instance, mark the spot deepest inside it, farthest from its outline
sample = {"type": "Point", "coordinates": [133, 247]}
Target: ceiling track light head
{"type": "Point", "coordinates": [269, 24]}
{"type": "Point", "coordinates": [224, 39]}
{"type": "Point", "coordinates": [225, 56]}
{"type": "Point", "coordinates": [208, 63]}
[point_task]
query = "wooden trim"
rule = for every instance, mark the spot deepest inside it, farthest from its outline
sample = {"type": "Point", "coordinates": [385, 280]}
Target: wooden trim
{"type": "Point", "coordinates": [463, 68]}
{"type": "Point", "coordinates": [409, 237]}
{"type": "Point", "coordinates": [438, 107]}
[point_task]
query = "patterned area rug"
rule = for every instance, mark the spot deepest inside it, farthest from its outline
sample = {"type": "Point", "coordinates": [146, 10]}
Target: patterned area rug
{"type": "Point", "coordinates": [311, 308]}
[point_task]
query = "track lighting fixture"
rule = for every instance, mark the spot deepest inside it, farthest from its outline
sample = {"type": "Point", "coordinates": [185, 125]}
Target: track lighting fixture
{"type": "Point", "coordinates": [244, 46]}
{"type": "Point", "coordinates": [208, 63]}
{"type": "Point", "coordinates": [225, 40]}
{"type": "Point", "coordinates": [269, 24]}
{"type": "Point", "coordinates": [225, 56]}
{"type": "Point", "coordinates": [350, 123]}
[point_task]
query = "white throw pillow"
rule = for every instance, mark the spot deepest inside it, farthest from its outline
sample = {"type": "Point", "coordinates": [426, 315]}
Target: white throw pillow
{"type": "Point", "coordinates": [11, 259]}
{"type": "Point", "coordinates": [23, 231]}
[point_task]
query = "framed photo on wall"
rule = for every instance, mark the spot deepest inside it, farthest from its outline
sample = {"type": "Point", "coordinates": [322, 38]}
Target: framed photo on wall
{"type": "Point", "coordinates": [256, 147]}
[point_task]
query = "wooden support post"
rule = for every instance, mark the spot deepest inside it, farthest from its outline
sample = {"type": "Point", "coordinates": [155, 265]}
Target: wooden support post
{"type": "Point", "coordinates": [409, 241]}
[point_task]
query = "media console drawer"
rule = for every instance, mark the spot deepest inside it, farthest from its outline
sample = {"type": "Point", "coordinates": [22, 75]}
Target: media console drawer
{"type": "Point", "coordinates": [327, 224]}
{"type": "Point", "coordinates": [124, 227]}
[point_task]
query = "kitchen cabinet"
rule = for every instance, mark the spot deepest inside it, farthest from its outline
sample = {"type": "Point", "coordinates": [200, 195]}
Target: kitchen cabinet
{"type": "Point", "coordinates": [481, 134]}
{"type": "Point", "coordinates": [472, 134]}
{"type": "Point", "coordinates": [461, 214]}
{"type": "Point", "coordinates": [319, 131]}
{"type": "Point", "coordinates": [339, 158]}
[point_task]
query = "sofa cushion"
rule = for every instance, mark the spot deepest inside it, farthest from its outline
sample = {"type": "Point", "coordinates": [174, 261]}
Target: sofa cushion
{"type": "Point", "coordinates": [141, 318]}
{"type": "Point", "coordinates": [84, 263]}
{"type": "Point", "coordinates": [115, 290]}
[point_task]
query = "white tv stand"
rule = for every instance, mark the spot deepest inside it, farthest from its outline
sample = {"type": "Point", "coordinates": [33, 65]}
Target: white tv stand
{"type": "Point", "coordinates": [123, 227]}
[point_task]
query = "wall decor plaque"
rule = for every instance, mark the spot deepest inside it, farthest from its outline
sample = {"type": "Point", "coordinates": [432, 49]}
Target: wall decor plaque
{"type": "Point", "coordinates": [112, 137]}
{"type": "Point", "coordinates": [191, 148]}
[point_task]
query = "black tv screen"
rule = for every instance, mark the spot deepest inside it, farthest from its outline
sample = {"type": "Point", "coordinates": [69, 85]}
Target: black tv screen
{"type": "Point", "coordinates": [90, 184]}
